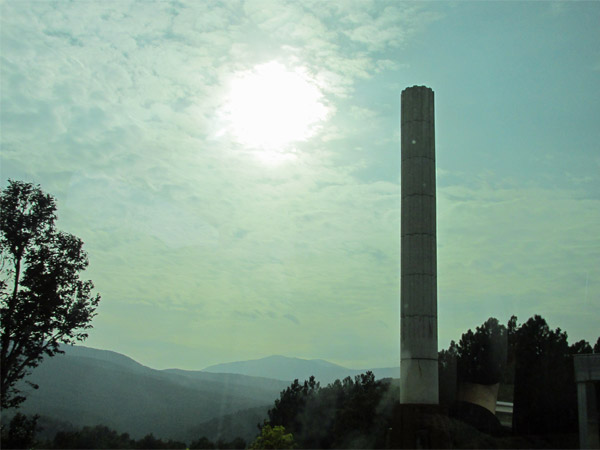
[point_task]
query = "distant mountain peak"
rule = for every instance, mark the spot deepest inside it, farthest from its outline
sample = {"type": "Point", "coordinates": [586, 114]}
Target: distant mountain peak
{"type": "Point", "coordinates": [290, 368]}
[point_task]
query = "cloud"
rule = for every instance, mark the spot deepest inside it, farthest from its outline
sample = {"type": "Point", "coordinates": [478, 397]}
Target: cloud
{"type": "Point", "coordinates": [292, 318]}
{"type": "Point", "coordinates": [111, 107]}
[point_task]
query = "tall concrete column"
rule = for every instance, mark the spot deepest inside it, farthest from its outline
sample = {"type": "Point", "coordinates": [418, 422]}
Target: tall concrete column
{"type": "Point", "coordinates": [418, 298]}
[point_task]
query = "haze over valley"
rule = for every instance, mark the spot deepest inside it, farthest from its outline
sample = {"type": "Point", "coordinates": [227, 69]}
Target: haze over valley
{"type": "Point", "coordinates": [86, 386]}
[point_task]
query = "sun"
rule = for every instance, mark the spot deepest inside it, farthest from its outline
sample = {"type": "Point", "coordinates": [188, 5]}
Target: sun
{"type": "Point", "coordinates": [271, 107]}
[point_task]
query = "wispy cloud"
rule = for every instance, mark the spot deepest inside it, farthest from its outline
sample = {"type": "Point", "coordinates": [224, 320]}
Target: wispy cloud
{"type": "Point", "coordinates": [112, 107]}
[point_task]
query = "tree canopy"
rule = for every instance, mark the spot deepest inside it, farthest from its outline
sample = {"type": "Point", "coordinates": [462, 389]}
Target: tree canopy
{"type": "Point", "coordinates": [532, 362]}
{"type": "Point", "coordinates": [351, 413]}
{"type": "Point", "coordinates": [274, 438]}
{"type": "Point", "coordinates": [43, 301]}
{"type": "Point", "coordinates": [482, 354]}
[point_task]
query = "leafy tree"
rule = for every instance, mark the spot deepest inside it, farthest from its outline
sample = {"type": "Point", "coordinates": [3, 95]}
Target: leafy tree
{"type": "Point", "coordinates": [43, 302]}
{"type": "Point", "coordinates": [511, 332]}
{"type": "Point", "coordinates": [580, 347]}
{"type": "Point", "coordinates": [345, 414]}
{"type": "Point", "coordinates": [205, 443]}
{"type": "Point", "coordinates": [482, 355]}
{"type": "Point", "coordinates": [597, 346]}
{"type": "Point", "coordinates": [99, 436]}
{"type": "Point", "coordinates": [202, 443]}
{"type": "Point", "coordinates": [151, 442]}
{"type": "Point", "coordinates": [545, 393]}
{"type": "Point", "coordinates": [485, 356]}
{"type": "Point", "coordinates": [291, 403]}
{"type": "Point", "coordinates": [274, 437]}
{"type": "Point", "coordinates": [447, 374]}
{"type": "Point", "coordinates": [20, 433]}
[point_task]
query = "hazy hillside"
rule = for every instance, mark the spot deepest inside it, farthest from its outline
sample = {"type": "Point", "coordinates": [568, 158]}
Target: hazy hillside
{"type": "Point", "coordinates": [89, 387]}
{"type": "Point", "coordinates": [288, 369]}
{"type": "Point", "coordinates": [242, 424]}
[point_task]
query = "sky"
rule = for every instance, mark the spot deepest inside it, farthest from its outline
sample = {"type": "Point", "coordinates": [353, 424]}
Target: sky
{"type": "Point", "coordinates": [233, 167]}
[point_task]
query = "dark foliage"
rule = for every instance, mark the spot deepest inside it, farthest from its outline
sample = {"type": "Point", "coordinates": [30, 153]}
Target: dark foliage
{"type": "Point", "coordinates": [539, 364]}
{"type": "Point", "coordinates": [345, 414]}
{"type": "Point", "coordinates": [545, 391]}
{"type": "Point", "coordinates": [205, 443]}
{"type": "Point", "coordinates": [447, 362]}
{"type": "Point", "coordinates": [481, 355]}
{"type": "Point", "coordinates": [102, 437]}
{"type": "Point", "coordinates": [43, 302]}
{"type": "Point", "coordinates": [237, 443]}
{"type": "Point", "coordinates": [20, 433]}
{"type": "Point", "coordinates": [291, 402]}
{"type": "Point", "coordinates": [580, 347]}
{"type": "Point", "coordinates": [150, 442]}
{"type": "Point", "coordinates": [91, 437]}
{"type": "Point", "coordinates": [202, 443]}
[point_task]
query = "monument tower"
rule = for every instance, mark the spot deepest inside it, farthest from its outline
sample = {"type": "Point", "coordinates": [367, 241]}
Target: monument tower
{"type": "Point", "coordinates": [418, 298]}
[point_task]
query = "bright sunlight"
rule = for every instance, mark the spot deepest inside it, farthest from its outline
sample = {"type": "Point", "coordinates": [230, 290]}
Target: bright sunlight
{"type": "Point", "coordinates": [271, 107]}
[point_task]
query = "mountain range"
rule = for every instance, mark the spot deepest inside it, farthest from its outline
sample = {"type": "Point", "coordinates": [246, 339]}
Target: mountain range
{"type": "Point", "coordinates": [87, 386]}
{"type": "Point", "coordinates": [288, 369]}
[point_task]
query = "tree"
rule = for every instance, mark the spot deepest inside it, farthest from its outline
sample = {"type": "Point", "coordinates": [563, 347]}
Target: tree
{"type": "Point", "coordinates": [580, 347]}
{"type": "Point", "coordinates": [545, 392]}
{"type": "Point", "coordinates": [273, 437]}
{"type": "Point", "coordinates": [20, 433]}
{"type": "Point", "coordinates": [43, 302]}
{"type": "Point", "coordinates": [202, 443]}
{"type": "Point", "coordinates": [447, 374]}
{"type": "Point", "coordinates": [352, 413]}
{"type": "Point", "coordinates": [482, 355]}
{"type": "Point", "coordinates": [99, 436]}
{"type": "Point", "coordinates": [291, 403]}
{"type": "Point", "coordinates": [151, 442]}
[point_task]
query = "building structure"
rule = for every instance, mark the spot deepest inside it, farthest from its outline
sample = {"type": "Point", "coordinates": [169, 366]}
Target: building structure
{"type": "Point", "coordinates": [418, 298]}
{"type": "Point", "coordinates": [587, 377]}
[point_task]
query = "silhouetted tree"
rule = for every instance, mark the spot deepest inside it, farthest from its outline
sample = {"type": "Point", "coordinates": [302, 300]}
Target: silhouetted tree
{"type": "Point", "coordinates": [482, 355]}
{"type": "Point", "coordinates": [205, 443]}
{"type": "Point", "coordinates": [511, 332]}
{"type": "Point", "coordinates": [545, 393]}
{"type": "Point", "coordinates": [539, 363]}
{"type": "Point", "coordinates": [99, 436]}
{"type": "Point", "coordinates": [348, 413]}
{"type": "Point", "coordinates": [42, 300]}
{"type": "Point", "coordinates": [151, 442]}
{"type": "Point", "coordinates": [202, 443]}
{"type": "Point", "coordinates": [580, 347]}
{"type": "Point", "coordinates": [291, 403]}
{"type": "Point", "coordinates": [20, 433]}
{"type": "Point", "coordinates": [447, 374]}
{"type": "Point", "coordinates": [597, 346]}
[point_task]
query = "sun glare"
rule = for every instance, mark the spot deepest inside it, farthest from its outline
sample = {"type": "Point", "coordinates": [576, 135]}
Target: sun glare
{"type": "Point", "coordinates": [271, 106]}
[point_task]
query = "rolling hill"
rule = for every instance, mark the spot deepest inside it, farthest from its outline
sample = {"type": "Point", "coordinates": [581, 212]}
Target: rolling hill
{"type": "Point", "coordinates": [87, 386]}
{"type": "Point", "coordinates": [288, 369]}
